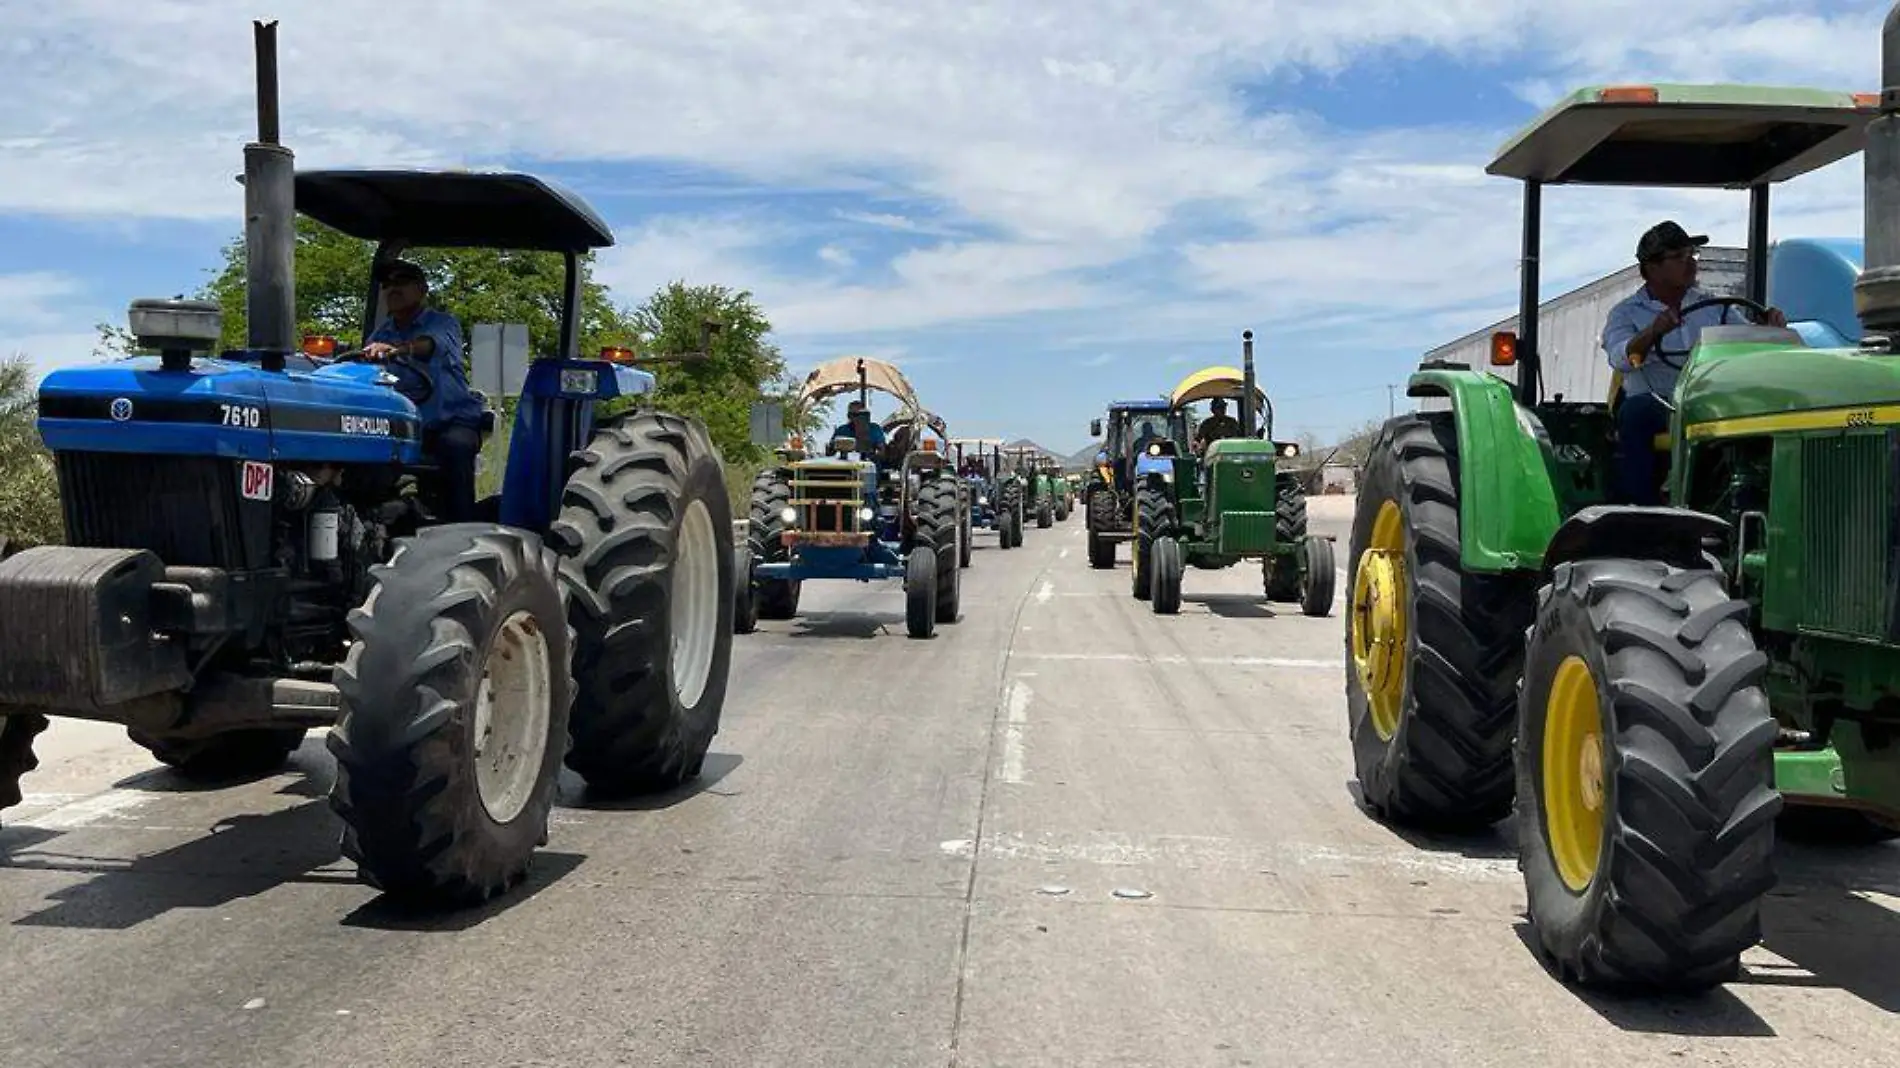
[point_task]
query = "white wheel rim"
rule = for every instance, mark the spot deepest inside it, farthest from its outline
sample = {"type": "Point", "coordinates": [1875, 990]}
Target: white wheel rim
{"type": "Point", "coordinates": [511, 717]}
{"type": "Point", "coordinates": [693, 616]}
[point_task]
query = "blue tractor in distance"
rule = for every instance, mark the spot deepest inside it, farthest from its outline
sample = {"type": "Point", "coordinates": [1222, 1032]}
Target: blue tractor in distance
{"type": "Point", "coordinates": [860, 512]}
{"type": "Point", "coordinates": [254, 549]}
{"type": "Point", "coordinates": [1143, 438]}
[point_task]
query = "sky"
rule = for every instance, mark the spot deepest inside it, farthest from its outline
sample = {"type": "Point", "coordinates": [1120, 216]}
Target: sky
{"type": "Point", "coordinates": [1031, 206]}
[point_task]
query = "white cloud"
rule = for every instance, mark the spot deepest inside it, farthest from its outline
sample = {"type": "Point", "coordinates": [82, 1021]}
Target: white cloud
{"type": "Point", "coordinates": [1025, 157]}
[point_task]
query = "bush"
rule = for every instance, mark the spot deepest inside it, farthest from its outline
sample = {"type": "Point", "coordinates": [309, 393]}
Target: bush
{"type": "Point", "coordinates": [29, 489]}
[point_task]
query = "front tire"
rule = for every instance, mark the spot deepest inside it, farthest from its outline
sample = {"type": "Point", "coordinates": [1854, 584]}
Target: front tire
{"type": "Point", "coordinates": [938, 530]}
{"type": "Point", "coordinates": [1433, 654]}
{"type": "Point", "coordinates": [1165, 595]}
{"type": "Point", "coordinates": [1099, 515]}
{"type": "Point", "coordinates": [920, 594]}
{"type": "Point", "coordinates": [771, 495]}
{"type": "Point", "coordinates": [1645, 776]}
{"type": "Point", "coordinates": [240, 754]}
{"type": "Point", "coordinates": [646, 530]}
{"type": "Point", "coordinates": [1154, 518]}
{"type": "Point", "coordinates": [455, 700]}
{"type": "Point", "coordinates": [1319, 580]}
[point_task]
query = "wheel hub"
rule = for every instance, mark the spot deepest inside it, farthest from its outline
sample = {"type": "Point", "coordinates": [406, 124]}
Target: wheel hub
{"type": "Point", "coordinates": [512, 712]}
{"type": "Point", "coordinates": [1574, 787]}
{"type": "Point", "coordinates": [1378, 623]}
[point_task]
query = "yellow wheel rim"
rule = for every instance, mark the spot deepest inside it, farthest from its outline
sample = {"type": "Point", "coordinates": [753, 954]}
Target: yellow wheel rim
{"type": "Point", "coordinates": [1573, 773]}
{"type": "Point", "coordinates": [1378, 625]}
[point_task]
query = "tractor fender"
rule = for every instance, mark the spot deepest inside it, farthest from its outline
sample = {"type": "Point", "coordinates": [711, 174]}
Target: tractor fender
{"type": "Point", "coordinates": [1677, 536]}
{"type": "Point", "coordinates": [1507, 504]}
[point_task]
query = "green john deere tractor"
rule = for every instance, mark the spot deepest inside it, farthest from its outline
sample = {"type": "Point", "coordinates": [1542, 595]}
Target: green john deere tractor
{"type": "Point", "coordinates": [1052, 485]}
{"type": "Point", "coordinates": [1038, 497]}
{"type": "Point", "coordinates": [1230, 503]}
{"type": "Point", "coordinates": [1648, 687]}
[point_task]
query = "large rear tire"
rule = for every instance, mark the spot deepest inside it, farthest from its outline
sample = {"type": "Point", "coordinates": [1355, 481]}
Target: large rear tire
{"type": "Point", "coordinates": [939, 531]}
{"type": "Point", "coordinates": [1100, 516]}
{"type": "Point", "coordinates": [646, 532]}
{"type": "Point", "coordinates": [242, 754]}
{"type": "Point", "coordinates": [455, 699]}
{"type": "Point", "coordinates": [1645, 776]}
{"type": "Point", "coordinates": [1433, 654]}
{"type": "Point", "coordinates": [1154, 518]}
{"type": "Point", "coordinates": [771, 495]}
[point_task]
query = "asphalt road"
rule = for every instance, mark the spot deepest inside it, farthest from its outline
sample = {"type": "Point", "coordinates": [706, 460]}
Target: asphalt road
{"type": "Point", "coordinates": [1064, 832]}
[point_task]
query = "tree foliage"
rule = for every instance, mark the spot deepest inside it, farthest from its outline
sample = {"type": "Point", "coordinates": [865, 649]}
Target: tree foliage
{"type": "Point", "coordinates": [29, 491]}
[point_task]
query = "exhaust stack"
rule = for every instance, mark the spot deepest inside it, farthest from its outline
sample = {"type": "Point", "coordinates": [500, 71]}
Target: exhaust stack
{"type": "Point", "coordinates": [270, 227]}
{"type": "Point", "coordinates": [1247, 413]}
{"type": "Point", "coordinates": [1877, 292]}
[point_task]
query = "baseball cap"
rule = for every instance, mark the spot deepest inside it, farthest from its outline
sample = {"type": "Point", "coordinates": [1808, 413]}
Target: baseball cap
{"type": "Point", "coordinates": [401, 271]}
{"type": "Point", "coordinates": [1666, 236]}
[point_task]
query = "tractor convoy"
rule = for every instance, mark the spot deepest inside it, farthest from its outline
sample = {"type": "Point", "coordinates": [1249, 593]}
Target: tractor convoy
{"type": "Point", "coordinates": [266, 540]}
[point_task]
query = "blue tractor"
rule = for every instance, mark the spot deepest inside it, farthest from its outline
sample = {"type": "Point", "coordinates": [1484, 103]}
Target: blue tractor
{"type": "Point", "coordinates": [980, 467]}
{"type": "Point", "coordinates": [253, 549]}
{"type": "Point", "coordinates": [860, 512]}
{"type": "Point", "coordinates": [1143, 438]}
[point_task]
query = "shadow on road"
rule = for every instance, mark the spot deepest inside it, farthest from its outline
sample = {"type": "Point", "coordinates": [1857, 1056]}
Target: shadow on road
{"type": "Point", "coordinates": [241, 857]}
{"type": "Point", "coordinates": [1231, 605]}
{"type": "Point", "coordinates": [574, 793]}
{"type": "Point", "coordinates": [1825, 920]}
{"type": "Point", "coordinates": [1717, 1013]}
{"type": "Point", "coordinates": [863, 625]}
{"type": "Point", "coordinates": [382, 914]}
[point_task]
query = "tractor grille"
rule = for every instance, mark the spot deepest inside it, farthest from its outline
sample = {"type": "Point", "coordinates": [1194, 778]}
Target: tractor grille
{"type": "Point", "coordinates": [828, 496]}
{"type": "Point", "coordinates": [186, 509]}
{"type": "Point", "coordinates": [1847, 534]}
{"type": "Point", "coordinates": [1246, 532]}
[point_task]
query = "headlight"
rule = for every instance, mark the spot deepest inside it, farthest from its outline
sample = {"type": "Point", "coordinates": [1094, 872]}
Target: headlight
{"type": "Point", "coordinates": [1289, 449]}
{"type": "Point", "coordinates": [789, 516]}
{"type": "Point", "coordinates": [983, 500]}
{"type": "Point", "coordinates": [866, 515]}
{"type": "Point", "coordinates": [1154, 450]}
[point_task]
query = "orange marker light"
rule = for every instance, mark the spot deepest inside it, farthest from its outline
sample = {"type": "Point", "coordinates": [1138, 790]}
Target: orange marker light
{"type": "Point", "coordinates": [616, 355]}
{"type": "Point", "coordinates": [1503, 348]}
{"type": "Point", "coordinates": [1866, 100]}
{"type": "Point", "coordinates": [1628, 94]}
{"type": "Point", "coordinates": [319, 345]}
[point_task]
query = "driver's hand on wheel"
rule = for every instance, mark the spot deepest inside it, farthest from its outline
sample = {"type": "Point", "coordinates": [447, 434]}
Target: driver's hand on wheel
{"type": "Point", "coordinates": [1775, 316]}
{"type": "Point", "coordinates": [378, 351]}
{"type": "Point", "coordinates": [1665, 321]}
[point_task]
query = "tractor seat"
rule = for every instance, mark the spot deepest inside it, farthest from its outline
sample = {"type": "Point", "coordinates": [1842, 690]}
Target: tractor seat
{"type": "Point", "coordinates": [1662, 442]}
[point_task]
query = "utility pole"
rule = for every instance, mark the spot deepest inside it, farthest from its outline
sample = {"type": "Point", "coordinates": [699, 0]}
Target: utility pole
{"type": "Point", "coordinates": [1389, 400]}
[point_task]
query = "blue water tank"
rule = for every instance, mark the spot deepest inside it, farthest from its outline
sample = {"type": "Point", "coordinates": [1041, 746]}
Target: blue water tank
{"type": "Point", "coordinates": [1811, 279]}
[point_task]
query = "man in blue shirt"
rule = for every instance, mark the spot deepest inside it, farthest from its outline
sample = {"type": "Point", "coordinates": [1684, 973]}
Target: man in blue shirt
{"type": "Point", "coordinates": [1648, 339]}
{"type": "Point", "coordinates": [423, 350]}
{"type": "Point", "coordinates": [857, 425]}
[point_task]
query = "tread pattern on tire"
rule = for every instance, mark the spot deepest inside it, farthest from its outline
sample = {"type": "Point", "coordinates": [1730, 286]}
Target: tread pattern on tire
{"type": "Point", "coordinates": [405, 779]}
{"type": "Point", "coordinates": [1289, 510]}
{"type": "Point", "coordinates": [1690, 850]}
{"type": "Point", "coordinates": [1155, 520]}
{"type": "Point", "coordinates": [615, 533]}
{"type": "Point", "coordinates": [1452, 766]}
{"type": "Point", "coordinates": [938, 523]}
{"type": "Point", "coordinates": [771, 495]}
{"type": "Point", "coordinates": [1100, 516]}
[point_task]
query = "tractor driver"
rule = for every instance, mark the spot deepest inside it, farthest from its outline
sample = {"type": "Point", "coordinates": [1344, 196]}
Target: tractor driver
{"type": "Point", "coordinates": [1216, 426]}
{"type": "Point", "coordinates": [423, 350]}
{"type": "Point", "coordinates": [1648, 340]}
{"type": "Point", "coordinates": [858, 426]}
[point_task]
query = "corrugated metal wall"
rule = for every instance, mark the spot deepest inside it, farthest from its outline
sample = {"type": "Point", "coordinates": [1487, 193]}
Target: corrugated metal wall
{"type": "Point", "coordinates": [1570, 330]}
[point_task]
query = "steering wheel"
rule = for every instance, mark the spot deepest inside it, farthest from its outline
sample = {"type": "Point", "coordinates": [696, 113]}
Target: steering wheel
{"type": "Point", "coordinates": [1759, 311]}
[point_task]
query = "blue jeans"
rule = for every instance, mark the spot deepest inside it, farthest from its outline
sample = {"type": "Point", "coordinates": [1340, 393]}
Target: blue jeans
{"type": "Point", "coordinates": [454, 448]}
{"type": "Point", "coordinates": [1639, 418]}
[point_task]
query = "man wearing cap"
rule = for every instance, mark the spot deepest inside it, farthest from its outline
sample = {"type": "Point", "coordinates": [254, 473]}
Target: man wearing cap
{"type": "Point", "coordinates": [858, 425]}
{"type": "Point", "coordinates": [1216, 426]}
{"type": "Point", "coordinates": [1648, 339]}
{"type": "Point", "coordinates": [423, 348]}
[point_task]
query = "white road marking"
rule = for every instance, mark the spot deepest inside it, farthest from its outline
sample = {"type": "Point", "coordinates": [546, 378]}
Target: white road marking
{"type": "Point", "coordinates": [1047, 590]}
{"type": "Point", "coordinates": [958, 847]}
{"type": "Point", "coordinates": [1016, 709]}
{"type": "Point", "coordinates": [1215, 661]}
{"type": "Point", "coordinates": [1109, 849]}
{"type": "Point", "coordinates": [84, 812]}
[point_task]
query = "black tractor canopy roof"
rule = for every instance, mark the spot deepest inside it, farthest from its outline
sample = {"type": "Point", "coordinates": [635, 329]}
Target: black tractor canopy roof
{"type": "Point", "coordinates": [1711, 136]}
{"type": "Point", "coordinates": [452, 209]}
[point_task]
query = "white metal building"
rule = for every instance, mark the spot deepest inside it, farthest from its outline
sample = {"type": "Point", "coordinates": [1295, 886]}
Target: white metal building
{"type": "Point", "coordinates": [1570, 330]}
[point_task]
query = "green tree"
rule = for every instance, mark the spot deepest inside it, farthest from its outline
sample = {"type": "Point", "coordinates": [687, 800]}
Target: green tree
{"type": "Point", "coordinates": [29, 490]}
{"type": "Point", "coordinates": [742, 368]}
